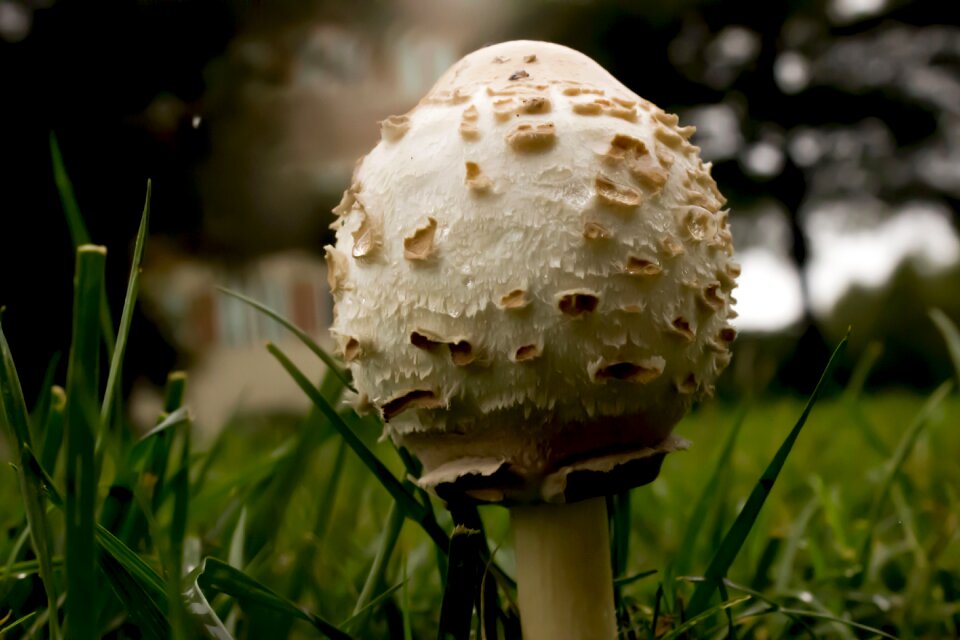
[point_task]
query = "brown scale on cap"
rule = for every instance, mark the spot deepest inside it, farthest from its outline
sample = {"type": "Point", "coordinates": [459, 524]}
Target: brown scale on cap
{"type": "Point", "coordinates": [347, 201]}
{"type": "Point", "coordinates": [530, 138]}
{"type": "Point", "coordinates": [728, 276]}
{"type": "Point", "coordinates": [669, 137]}
{"type": "Point", "coordinates": [577, 303]}
{"type": "Point", "coordinates": [671, 246]}
{"type": "Point", "coordinates": [602, 106]}
{"type": "Point", "coordinates": [462, 352]}
{"type": "Point", "coordinates": [577, 91]}
{"type": "Point", "coordinates": [642, 372]}
{"type": "Point", "coordinates": [535, 106]}
{"type": "Point", "coordinates": [468, 123]}
{"type": "Point", "coordinates": [668, 119]}
{"type": "Point", "coordinates": [526, 353]}
{"type": "Point", "coordinates": [394, 128]}
{"type": "Point", "coordinates": [695, 197]}
{"type": "Point", "coordinates": [516, 299]}
{"type": "Point", "coordinates": [595, 231]}
{"type": "Point", "coordinates": [368, 237]}
{"type": "Point", "coordinates": [414, 399]}
{"type": "Point", "coordinates": [338, 266]}
{"type": "Point", "coordinates": [682, 328]}
{"type": "Point", "coordinates": [530, 58]}
{"type": "Point", "coordinates": [686, 386]}
{"type": "Point", "coordinates": [727, 335]}
{"type": "Point", "coordinates": [697, 223]}
{"type": "Point", "coordinates": [419, 246]}
{"type": "Point", "coordinates": [587, 108]}
{"type": "Point", "coordinates": [710, 297]}
{"type": "Point", "coordinates": [507, 108]}
{"type": "Point", "coordinates": [519, 75]}
{"type": "Point", "coordinates": [616, 195]}
{"type": "Point", "coordinates": [504, 109]}
{"type": "Point", "coordinates": [475, 179]}
{"type": "Point", "coordinates": [641, 266]}
{"type": "Point", "coordinates": [447, 98]}
{"type": "Point", "coordinates": [352, 350]}
{"type": "Point", "coordinates": [642, 165]}
{"type": "Point", "coordinates": [426, 340]}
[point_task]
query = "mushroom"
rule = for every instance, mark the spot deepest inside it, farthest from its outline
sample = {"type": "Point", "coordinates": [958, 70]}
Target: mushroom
{"type": "Point", "coordinates": [566, 256]}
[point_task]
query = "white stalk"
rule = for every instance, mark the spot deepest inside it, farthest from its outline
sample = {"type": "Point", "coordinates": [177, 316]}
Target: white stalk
{"type": "Point", "coordinates": [564, 576]}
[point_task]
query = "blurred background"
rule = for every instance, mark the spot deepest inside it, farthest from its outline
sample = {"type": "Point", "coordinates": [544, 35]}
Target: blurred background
{"type": "Point", "coordinates": [833, 126]}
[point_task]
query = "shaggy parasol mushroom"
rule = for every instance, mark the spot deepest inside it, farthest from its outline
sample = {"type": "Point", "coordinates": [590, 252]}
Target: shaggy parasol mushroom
{"type": "Point", "coordinates": [532, 278]}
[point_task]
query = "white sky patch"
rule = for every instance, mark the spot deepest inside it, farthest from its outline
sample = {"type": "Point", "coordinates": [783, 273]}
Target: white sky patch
{"type": "Point", "coordinates": [843, 255]}
{"type": "Point", "coordinates": [849, 10]}
{"type": "Point", "coordinates": [769, 295]}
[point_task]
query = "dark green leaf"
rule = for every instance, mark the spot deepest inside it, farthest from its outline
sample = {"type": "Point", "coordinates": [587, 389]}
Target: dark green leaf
{"type": "Point", "coordinates": [126, 317]}
{"type": "Point", "coordinates": [78, 233]}
{"type": "Point", "coordinates": [16, 421]}
{"type": "Point", "coordinates": [215, 575]}
{"type": "Point", "coordinates": [53, 429]}
{"type": "Point", "coordinates": [408, 505]}
{"type": "Point", "coordinates": [81, 423]}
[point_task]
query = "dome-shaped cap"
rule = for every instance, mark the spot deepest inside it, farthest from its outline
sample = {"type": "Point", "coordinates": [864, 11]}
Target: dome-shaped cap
{"type": "Point", "coordinates": [532, 278]}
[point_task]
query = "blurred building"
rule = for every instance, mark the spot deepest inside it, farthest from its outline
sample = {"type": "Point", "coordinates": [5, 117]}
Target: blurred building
{"type": "Point", "coordinates": [224, 338]}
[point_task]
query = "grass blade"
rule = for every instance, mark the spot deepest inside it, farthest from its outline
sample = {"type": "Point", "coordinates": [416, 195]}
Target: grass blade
{"type": "Point", "coordinates": [10, 568]}
{"type": "Point", "coordinates": [952, 336]}
{"type": "Point", "coordinates": [216, 575]}
{"type": "Point", "coordinates": [408, 505]}
{"type": "Point", "coordinates": [272, 505]}
{"type": "Point", "coordinates": [378, 570]}
{"type": "Point", "coordinates": [375, 602]}
{"type": "Point", "coordinates": [680, 630]}
{"type": "Point", "coordinates": [78, 232]}
{"type": "Point", "coordinates": [21, 622]}
{"type": "Point", "coordinates": [126, 317]}
{"type": "Point", "coordinates": [82, 380]}
{"type": "Point", "coordinates": [892, 471]}
{"type": "Point", "coordinates": [321, 525]}
{"type": "Point", "coordinates": [148, 580]}
{"type": "Point", "coordinates": [53, 430]}
{"type": "Point", "coordinates": [618, 508]}
{"type": "Point", "coordinates": [13, 415]}
{"type": "Point", "coordinates": [177, 529]}
{"type": "Point", "coordinates": [163, 439]}
{"type": "Point", "coordinates": [135, 584]}
{"type": "Point", "coordinates": [707, 497]}
{"type": "Point", "coordinates": [310, 343]}
{"type": "Point", "coordinates": [41, 409]}
{"type": "Point", "coordinates": [628, 580]}
{"type": "Point", "coordinates": [738, 532]}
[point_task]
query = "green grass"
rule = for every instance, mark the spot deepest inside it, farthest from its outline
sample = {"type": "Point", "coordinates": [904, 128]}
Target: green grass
{"type": "Point", "coordinates": [309, 526]}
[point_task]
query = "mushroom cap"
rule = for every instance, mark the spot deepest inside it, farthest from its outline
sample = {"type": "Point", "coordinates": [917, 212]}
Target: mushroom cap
{"type": "Point", "coordinates": [532, 278]}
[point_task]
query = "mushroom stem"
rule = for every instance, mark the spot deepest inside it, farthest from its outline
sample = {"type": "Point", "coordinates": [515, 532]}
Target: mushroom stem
{"type": "Point", "coordinates": [564, 577]}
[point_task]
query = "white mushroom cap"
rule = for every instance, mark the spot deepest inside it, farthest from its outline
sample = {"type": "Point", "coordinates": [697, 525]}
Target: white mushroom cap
{"type": "Point", "coordinates": [532, 271]}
